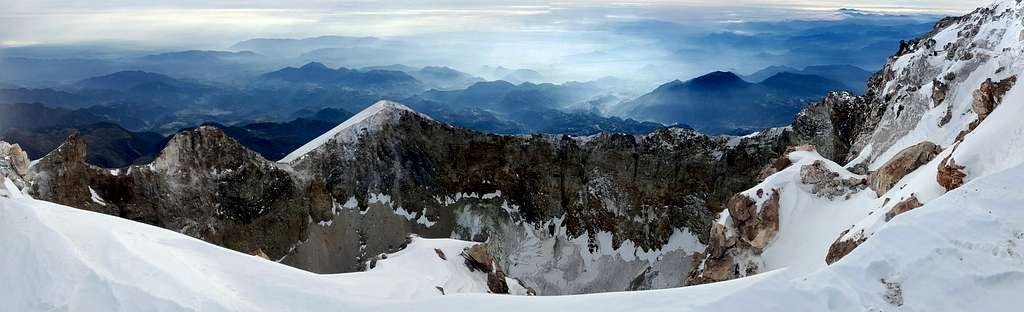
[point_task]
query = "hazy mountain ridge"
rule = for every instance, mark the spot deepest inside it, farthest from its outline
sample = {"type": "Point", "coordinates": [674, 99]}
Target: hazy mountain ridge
{"type": "Point", "coordinates": [721, 102]}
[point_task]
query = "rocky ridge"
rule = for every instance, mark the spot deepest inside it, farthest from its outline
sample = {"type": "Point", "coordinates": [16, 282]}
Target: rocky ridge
{"type": "Point", "coordinates": [638, 205]}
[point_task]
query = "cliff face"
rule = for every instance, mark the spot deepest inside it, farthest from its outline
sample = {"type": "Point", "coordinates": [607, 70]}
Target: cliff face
{"type": "Point", "coordinates": [203, 184]}
{"type": "Point", "coordinates": [573, 202]}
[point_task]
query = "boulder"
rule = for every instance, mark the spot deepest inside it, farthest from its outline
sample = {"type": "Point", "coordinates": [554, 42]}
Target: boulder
{"type": "Point", "coordinates": [951, 175]}
{"type": "Point", "coordinates": [842, 247]}
{"type": "Point", "coordinates": [905, 162]}
{"type": "Point", "coordinates": [479, 258]}
{"type": "Point", "coordinates": [827, 183]}
{"type": "Point", "coordinates": [903, 206]}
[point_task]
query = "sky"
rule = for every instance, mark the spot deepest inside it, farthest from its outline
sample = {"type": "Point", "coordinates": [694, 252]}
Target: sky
{"type": "Point", "coordinates": [218, 23]}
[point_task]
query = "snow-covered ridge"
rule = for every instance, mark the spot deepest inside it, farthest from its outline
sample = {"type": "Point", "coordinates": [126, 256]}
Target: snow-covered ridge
{"type": "Point", "coordinates": [371, 117]}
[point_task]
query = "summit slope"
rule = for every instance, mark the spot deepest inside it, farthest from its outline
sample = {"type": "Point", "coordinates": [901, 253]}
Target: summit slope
{"type": "Point", "coordinates": [367, 119]}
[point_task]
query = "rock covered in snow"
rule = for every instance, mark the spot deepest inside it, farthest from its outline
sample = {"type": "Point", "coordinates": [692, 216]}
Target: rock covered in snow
{"type": "Point", "coordinates": [827, 183]}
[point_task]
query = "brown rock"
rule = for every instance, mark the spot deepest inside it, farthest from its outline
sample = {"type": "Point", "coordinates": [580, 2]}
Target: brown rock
{"type": "Point", "coordinates": [719, 243]}
{"type": "Point", "coordinates": [905, 162]}
{"type": "Point", "coordinates": [990, 95]}
{"type": "Point", "coordinates": [741, 208]}
{"type": "Point", "coordinates": [715, 270]}
{"type": "Point", "coordinates": [755, 228]}
{"type": "Point", "coordinates": [440, 254]}
{"type": "Point", "coordinates": [951, 175]}
{"type": "Point", "coordinates": [840, 248]}
{"type": "Point", "coordinates": [903, 206]}
{"type": "Point", "coordinates": [496, 283]}
{"type": "Point", "coordinates": [766, 225]}
{"type": "Point", "coordinates": [477, 257]}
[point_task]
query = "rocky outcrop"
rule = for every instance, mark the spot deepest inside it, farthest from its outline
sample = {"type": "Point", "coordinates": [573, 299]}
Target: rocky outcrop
{"type": "Point", "coordinates": [990, 95]}
{"type": "Point", "coordinates": [903, 206]}
{"type": "Point", "coordinates": [14, 165]}
{"type": "Point", "coordinates": [939, 90]}
{"type": "Point", "coordinates": [729, 254]}
{"type": "Point", "coordinates": [950, 175]}
{"type": "Point", "coordinates": [843, 246]}
{"type": "Point", "coordinates": [757, 224]}
{"type": "Point", "coordinates": [827, 183]}
{"type": "Point", "coordinates": [203, 184]}
{"type": "Point", "coordinates": [903, 163]}
{"type": "Point", "coordinates": [63, 177]}
{"type": "Point", "coordinates": [836, 123]}
{"type": "Point", "coordinates": [478, 257]}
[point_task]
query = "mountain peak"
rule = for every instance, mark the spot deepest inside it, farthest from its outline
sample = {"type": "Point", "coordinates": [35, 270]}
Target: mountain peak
{"type": "Point", "coordinates": [371, 118]}
{"type": "Point", "coordinates": [204, 147]}
{"type": "Point", "coordinates": [718, 78]}
{"type": "Point", "coordinates": [314, 65]}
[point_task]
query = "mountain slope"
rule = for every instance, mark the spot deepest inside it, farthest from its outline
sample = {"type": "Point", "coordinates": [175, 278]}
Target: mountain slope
{"type": "Point", "coordinates": [940, 114]}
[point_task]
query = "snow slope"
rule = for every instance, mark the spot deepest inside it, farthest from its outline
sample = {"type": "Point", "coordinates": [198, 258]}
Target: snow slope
{"type": "Point", "coordinates": [380, 112]}
{"type": "Point", "coordinates": [61, 258]}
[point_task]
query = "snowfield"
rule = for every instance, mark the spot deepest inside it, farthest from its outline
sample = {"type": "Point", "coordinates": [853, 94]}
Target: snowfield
{"type": "Point", "coordinates": [61, 258]}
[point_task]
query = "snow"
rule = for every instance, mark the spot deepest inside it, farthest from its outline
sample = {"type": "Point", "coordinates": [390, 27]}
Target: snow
{"type": "Point", "coordinates": [61, 258]}
{"type": "Point", "coordinates": [808, 224]}
{"type": "Point", "coordinates": [96, 197]}
{"type": "Point", "coordinates": [370, 117]}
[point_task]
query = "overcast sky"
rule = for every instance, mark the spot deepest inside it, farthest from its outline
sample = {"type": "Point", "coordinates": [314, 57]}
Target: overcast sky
{"type": "Point", "coordinates": [218, 23]}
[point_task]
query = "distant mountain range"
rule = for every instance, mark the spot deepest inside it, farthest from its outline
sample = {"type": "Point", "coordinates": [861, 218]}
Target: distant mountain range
{"type": "Point", "coordinates": [722, 102]}
{"type": "Point", "coordinates": [110, 145]}
{"type": "Point", "coordinates": [435, 77]}
{"type": "Point", "coordinates": [384, 81]}
{"type": "Point", "coordinates": [716, 103]}
{"type": "Point", "coordinates": [852, 77]}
